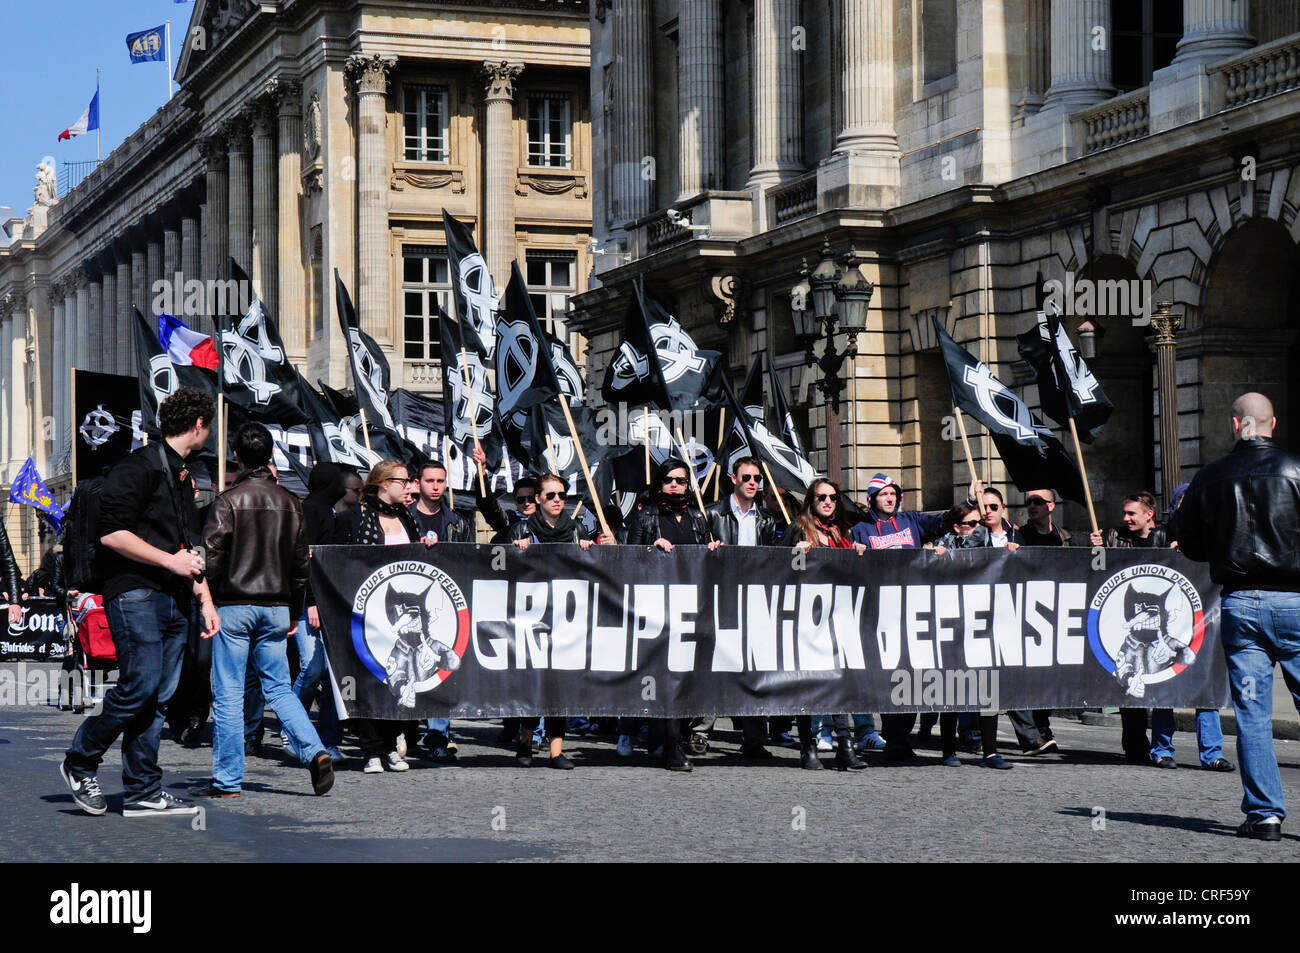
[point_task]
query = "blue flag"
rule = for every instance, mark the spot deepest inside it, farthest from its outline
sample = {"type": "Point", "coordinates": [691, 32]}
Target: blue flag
{"type": "Point", "coordinates": [29, 488]}
{"type": "Point", "coordinates": [147, 45]}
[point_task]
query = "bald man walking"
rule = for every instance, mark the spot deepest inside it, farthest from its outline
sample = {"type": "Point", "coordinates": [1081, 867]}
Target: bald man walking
{"type": "Point", "coordinates": [1242, 515]}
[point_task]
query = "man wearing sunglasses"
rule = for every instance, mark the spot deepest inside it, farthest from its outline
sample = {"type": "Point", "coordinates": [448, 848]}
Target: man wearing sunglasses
{"type": "Point", "coordinates": [1039, 529]}
{"type": "Point", "coordinates": [1002, 533]}
{"type": "Point", "coordinates": [524, 498]}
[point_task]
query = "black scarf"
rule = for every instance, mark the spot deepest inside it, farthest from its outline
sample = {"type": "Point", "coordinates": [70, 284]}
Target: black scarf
{"type": "Point", "coordinates": [389, 509]}
{"type": "Point", "coordinates": [370, 533]}
{"type": "Point", "coordinates": [564, 530]}
{"type": "Point", "coordinates": [673, 502]}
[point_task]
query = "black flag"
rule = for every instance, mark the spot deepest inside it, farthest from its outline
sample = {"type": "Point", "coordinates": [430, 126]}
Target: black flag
{"type": "Point", "coordinates": [255, 371]}
{"type": "Point", "coordinates": [106, 417]}
{"type": "Point", "coordinates": [658, 364]}
{"type": "Point", "coordinates": [472, 290]}
{"type": "Point", "coordinates": [468, 402]}
{"type": "Point", "coordinates": [1066, 387]}
{"type": "Point", "coordinates": [1032, 454]}
{"type": "Point", "coordinates": [370, 372]}
{"type": "Point", "coordinates": [523, 376]}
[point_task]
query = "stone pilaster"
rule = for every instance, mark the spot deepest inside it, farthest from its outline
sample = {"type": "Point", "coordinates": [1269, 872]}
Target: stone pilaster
{"type": "Point", "coordinates": [1080, 73]}
{"type": "Point", "coordinates": [122, 327]}
{"type": "Point", "coordinates": [153, 273]}
{"type": "Point", "coordinates": [191, 247]}
{"type": "Point", "coordinates": [699, 96]}
{"type": "Point", "coordinates": [20, 443]}
{"type": "Point", "coordinates": [139, 289]}
{"type": "Point", "coordinates": [631, 115]}
{"type": "Point", "coordinates": [1214, 30]}
{"type": "Point", "coordinates": [171, 251]}
{"type": "Point", "coordinates": [266, 256]}
{"type": "Point", "coordinates": [86, 294]}
{"type": "Point", "coordinates": [501, 164]}
{"type": "Point", "coordinates": [240, 212]}
{"type": "Point", "coordinates": [778, 94]}
{"type": "Point", "coordinates": [369, 74]}
{"type": "Point", "coordinates": [292, 313]}
{"type": "Point", "coordinates": [867, 78]}
{"type": "Point", "coordinates": [6, 379]}
{"type": "Point", "coordinates": [216, 244]}
{"type": "Point", "coordinates": [102, 342]}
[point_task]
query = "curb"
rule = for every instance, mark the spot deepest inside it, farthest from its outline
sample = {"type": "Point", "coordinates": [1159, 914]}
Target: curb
{"type": "Point", "coordinates": [1285, 727]}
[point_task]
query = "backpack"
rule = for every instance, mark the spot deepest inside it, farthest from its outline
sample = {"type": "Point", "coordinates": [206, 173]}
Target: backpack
{"type": "Point", "coordinates": [81, 539]}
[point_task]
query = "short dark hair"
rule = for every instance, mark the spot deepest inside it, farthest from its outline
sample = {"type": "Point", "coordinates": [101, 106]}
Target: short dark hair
{"type": "Point", "coordinates": [434, 464]}
{"type": "Point", "coordinates": [1145, 498]}
{"type": "Point", "coordinates": [751, 461]}
{"type": "Point", "coordinates": [996, 492]}
{"type": "Point", "coordinates": [183, 409]}
{"type": "Point", "coordinates": [526, 483]}
{"type": "Point", "coordinates": [253, 445]}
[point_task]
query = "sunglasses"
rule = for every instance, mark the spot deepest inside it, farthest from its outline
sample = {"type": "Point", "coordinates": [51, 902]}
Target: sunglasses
{"type": "Point", "coordinates": [970, 522]}
{"type": "Point", "coordinates": [525, 500]}
{"type": "Point", "coordinates": [992, 507]}
{"type": "Point", "coordinates": [677, 481]}
{"type": "Point", "coordinates": [1036, 501]}
{"type": "Point", "coordinates": [823, 497]}
{"type": "Point", "coordinates": [748, 478]}
{"type": "Point", "coordinates": [555, 495]}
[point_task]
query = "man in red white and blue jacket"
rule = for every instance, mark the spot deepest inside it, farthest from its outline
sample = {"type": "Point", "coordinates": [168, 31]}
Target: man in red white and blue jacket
{"type": "Point", "coordinates": [887, 526]}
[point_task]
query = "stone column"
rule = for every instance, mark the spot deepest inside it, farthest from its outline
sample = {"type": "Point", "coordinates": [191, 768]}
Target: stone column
{"type": "Point", "coordinates": [6, 378]}
{"type": "Point", "coordinates": [191, 248]}
{"type": "Point", "coordinates": [292, 312]}
{"type": "Point", "coordinates": [369, 75]}
{"type": "Point", "coordinates": [632, 112]}
{"type": "Point", "coordinates": [216, 245]}
{"type": "Point", "coordinates": [1214, 30]}
{"type": "Point", "coordinates": [105, 308]}
{"type": "Point", "coordinates": [699, 96]}
{"type": "Point", "coordinates": [501, 163]}
{"type": "Point", "coordinates": [240, 232]}
{"type": "Point", "coordinates": [867, 78]}
{"type": "Point", "coordinates": [153, 274]}
{"type": "Point", "coordinates": [171, 255]}
{"type": "Point", "coordinates": [59, 364]}
{"type": "Point", "coordinates": [122, 327]}
{"type": "Point", "coordinates": [86, 294]}
{"type": "Point", "coordinates": [266, 257]}
{"type": "Point", "coordinates": [778, 94]}
{"type": "Point", "coordinates": [1080, 73]}
{"type": "Point", "coordinates": [139, 289]}
{"type": "Point", "coordinates": [20, 443]}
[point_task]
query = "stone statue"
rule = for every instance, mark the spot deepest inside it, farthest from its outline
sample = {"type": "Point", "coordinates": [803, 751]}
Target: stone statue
{"type": "Point", "coordinates": [47, 189]}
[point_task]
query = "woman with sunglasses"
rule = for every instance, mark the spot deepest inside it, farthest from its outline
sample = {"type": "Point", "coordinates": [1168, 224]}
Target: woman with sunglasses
{"type": "Point", "coordinates": [382, 519]}
{"type": "Point", "coordinates": [965, 530]}
{"type": "Point", "coordinates": [669, 520]}
{"type": "Point", "coordinates": [822, 523]}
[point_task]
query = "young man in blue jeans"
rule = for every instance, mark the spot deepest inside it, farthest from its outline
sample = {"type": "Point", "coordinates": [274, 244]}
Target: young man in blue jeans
{"type": "Point", "coordinates": [259, 590]}
{"type": "Point", "coordinates": [151, 570]}
{"type": "Point", "coordinates": [1240, 514]}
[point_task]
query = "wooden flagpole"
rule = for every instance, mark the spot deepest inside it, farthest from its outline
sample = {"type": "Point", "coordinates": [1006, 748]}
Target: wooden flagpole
{"type": "Point", "coordinates": [1083, 471]}
{"type": "Point", "coordinates": [717, 462]}
{"type": "Point", "coordinates": [365, 431]}
{"type": "Point", "coordinates": [473, 414]}
{"type": "Point", "coordinates": [221, 441]}
{"type": "Point", "coordinates": [73, 410]}
{"type": "Point", "coordinates": [550, 453]}
{"type": "Point", "coordinates": [446, 459]}
{"type": "Point", "coordinates": [586, 471]}
{"type": "Point", "coordinates": [690, 468]}
{"type": "Point", "coordinates": [970, 460]}
{"type": "Point", "coordinates": [776, 491]}
{"type": "Point", "coordinates": [645, 427]}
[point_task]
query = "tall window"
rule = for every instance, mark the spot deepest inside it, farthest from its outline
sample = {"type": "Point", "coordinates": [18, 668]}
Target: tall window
{"type": "Point", "coordinates": [424, 124]}
{"type": "Point", "coordinates": [938, 39]}
{"type": "Point", "coordinates": [552, 280]}
{"type": "Point", "coordinates": [426, 285]}
{"type": "Point", "coordinates": [1144, 38]}
{"type": "Point", "coordinates": [550, 130]}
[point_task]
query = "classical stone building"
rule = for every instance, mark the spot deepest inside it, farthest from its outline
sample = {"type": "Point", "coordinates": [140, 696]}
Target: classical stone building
{"type": "Point", "coordinates": [960, 146]}
{"type": "Point", "coordinates": [309, 136]}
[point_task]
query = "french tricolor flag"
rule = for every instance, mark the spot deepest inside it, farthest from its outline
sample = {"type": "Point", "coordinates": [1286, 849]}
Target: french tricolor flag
{"type": "Point", "coordinates": [89, 120]}
{"type": "Point", "coordinates": [186, 347]}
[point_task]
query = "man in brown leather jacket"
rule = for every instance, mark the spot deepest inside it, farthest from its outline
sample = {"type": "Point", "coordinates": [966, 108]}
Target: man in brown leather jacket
{"type": "Point", "coordinates": [257, 571]}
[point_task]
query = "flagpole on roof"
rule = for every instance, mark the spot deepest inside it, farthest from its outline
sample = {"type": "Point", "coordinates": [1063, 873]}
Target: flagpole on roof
{"type": "Point", "coordinates": [99, 155]}
{"type": "Point", "coordinates": [169, 60]}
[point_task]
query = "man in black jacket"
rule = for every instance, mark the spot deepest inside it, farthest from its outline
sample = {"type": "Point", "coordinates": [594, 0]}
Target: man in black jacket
{"type": "Point", "coordinates": [436, 520]}
{"type": "Point", "coordinates": [148, 528]}
{"type": "Point", "coordinates": [1242, 515]}
{"type": "Point", "coordinates": [259, 590]}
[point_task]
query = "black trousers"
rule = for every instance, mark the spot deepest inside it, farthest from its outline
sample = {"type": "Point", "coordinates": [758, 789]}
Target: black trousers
{"type": "Point", "coordinates": [895, 729]}
{"type": "Point", "coordinates": [948, 733]}
{"type": "Point", "coordinates": [376, 737]}
{"type": "Point", "coordinates": [554, 728]}
{"type": "Point", "coordinates": [1134, 738]}
{"type": "Point", "coordinates": [843, 725]}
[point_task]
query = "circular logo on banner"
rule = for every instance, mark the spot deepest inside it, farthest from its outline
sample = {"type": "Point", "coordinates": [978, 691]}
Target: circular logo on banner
{"type": "Point", "coordinates": [410, 627]}
{"type": "Point", "coordinates": [1145, 626]}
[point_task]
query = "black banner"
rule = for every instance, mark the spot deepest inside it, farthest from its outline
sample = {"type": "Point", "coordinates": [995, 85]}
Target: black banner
{"type": "Point", "coordinates": [483, 631]}
{"type": "Point", "coordinates": [39, 637]}
{"type": "Point", "coordinates": [105, 418]}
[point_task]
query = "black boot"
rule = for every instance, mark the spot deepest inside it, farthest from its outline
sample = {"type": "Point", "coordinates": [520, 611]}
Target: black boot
{"type": "Point", "coordinates": [808, 759]}
{"type": "Point", "coordinates": [846, 758]}
{"type": "Point", "coordinates": [675, 757]}
{"type": "Point", "coordinates": [524, 752]}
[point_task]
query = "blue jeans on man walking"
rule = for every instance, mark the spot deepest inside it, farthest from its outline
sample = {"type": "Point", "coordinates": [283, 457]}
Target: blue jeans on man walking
{"type": "Point", "coordinates": [1209, 734]}
{"type": "Point", "coordinates": [313, 682]}
{"type": "Point", "coordinates": [149, 632]}
{"type": "Point", "coordinates": [259, 633]}
{"type": "Point", "coordinates": [1260, 629]}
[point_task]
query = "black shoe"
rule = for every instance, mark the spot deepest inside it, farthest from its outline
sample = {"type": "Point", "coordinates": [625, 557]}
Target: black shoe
{"type": "Point", "coordinates": [524, 755]}
{"type": "Point", "coordinates": [846, 759]}
{"type": "Point", "coordinates": [1268, 829]}
{"type": "Point", "coordinates": [85, 791]}
{"type": "Point", "coordinates": [1165, 762]}
{"type": "Point", "coordinates": [1222, 764]}
{"type": "Point", "coordinates": [1043, 747]}
{"type": "Point", "coordinates": [212, 791]}
{"type": "Point", "coordinates": [322, 773]}
{"type": "Point", "coordinates": [756, 753]}
{"type": "Point", "coordinates": [997, 762]}
{"type": "Point", "coordinates": [561, 763]}
{"type": "Point", "coordinates": [809, 761]}
{"type": "Point", "coordinates": [675, 759]}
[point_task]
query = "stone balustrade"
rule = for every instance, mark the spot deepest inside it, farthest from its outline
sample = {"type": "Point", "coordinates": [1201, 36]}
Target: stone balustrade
{"type": "Point", "coordinates": [1260, 72]}
{"type": "Point", "coordinates": [794, 200]}
{"type": "Point", "coordinates": [1115, 121]}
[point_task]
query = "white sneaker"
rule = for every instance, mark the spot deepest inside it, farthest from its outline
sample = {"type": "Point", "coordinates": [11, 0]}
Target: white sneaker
{"type": "Point", "coordinates": [824, 742]}
{"type": "Point", "coordinates": [625, 746]}
{"type": "Point", "coordinates": [393, 762]}
{"type": "Point", "coordinates": [159, 804]}
{"type": "Point", "coordinates": [373, 766]}
{"type": "Point", "coordinates": [401, 746]}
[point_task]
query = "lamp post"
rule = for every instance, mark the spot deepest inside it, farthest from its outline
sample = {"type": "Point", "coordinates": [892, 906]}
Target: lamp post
{"type": "Point", "coordinates": [839, 296]}
{"type": "Point", "coordinates": [1166, 325]}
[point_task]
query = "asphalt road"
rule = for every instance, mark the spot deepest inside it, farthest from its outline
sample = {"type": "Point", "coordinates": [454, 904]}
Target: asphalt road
{"type": "Point", "coordinates": [1084, 804]}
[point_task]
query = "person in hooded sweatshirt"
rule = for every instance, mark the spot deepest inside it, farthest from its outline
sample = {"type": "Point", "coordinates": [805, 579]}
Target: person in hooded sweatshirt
{"type": "Point", "coordinates": [889, 526]}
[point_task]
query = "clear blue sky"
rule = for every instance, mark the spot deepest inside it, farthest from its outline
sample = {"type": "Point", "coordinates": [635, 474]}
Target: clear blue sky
{"type": "Point", "coordinates": [50, 51]}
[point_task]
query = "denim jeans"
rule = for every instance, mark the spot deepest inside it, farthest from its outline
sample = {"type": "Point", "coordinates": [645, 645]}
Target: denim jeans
{"type": "Point", "coordinates": [256, 632]}
{"type": "Point", "coordinates": [1260, 629]}
{"type": "Point", "coordinates": [1209, 734]}
{"type": "Point", "coordinates": [149, 631]}
{"type": "Point", "coordinates": [312, 684]}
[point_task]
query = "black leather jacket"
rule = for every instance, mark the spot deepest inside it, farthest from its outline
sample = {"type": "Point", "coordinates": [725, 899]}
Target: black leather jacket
{"type": "Point", "coordinates": [643, 528]}
{"type": "Point", "coordinates": [1242, 515]}
{"type": "Point", "coordinates": [725, 527]}
{"type": "Point", "coordinates": [257, 545]}
{"type": "Point", "coordinates": [12, 578]}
